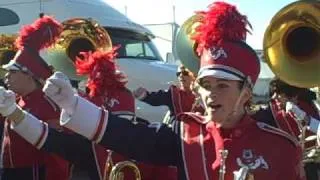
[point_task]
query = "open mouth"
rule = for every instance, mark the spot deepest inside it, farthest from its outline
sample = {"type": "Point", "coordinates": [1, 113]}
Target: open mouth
{"type": "Point", "coordinates": [213, 106]}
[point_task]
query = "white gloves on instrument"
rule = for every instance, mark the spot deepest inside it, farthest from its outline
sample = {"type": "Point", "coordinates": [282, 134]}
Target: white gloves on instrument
{"type": "Point", "coordinates": [298, 113]}
{"type": "Point", "coordinates": [59, 89]}
{"type": "Point", "coordinates": [140, 93]}
{"type": "Point", "coordinates": [7, 102]}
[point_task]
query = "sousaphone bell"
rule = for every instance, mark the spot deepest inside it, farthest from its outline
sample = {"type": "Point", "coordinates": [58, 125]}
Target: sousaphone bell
{"type": "Point", "coordinates": [291, 44]}
{"type": "Point", "coordinates": [185, 47]}
{"type": "Point", "coordinates": [79, 35]}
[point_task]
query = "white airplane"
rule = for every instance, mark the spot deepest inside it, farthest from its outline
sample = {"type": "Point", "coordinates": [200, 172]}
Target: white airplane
{"type": "Point", "coordinates": [144, 66]}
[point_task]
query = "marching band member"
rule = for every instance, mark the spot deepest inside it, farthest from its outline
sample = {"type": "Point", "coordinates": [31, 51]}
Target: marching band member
{"type": "Point", "coordinates": [107, 88]}
{"type": "Point", "coordinates": [202, 147]}
{"type": "Point", "coordinates": [288, 106]}
{"type": "Point", "coordinates": [289, 109]}
{"type": "Point", "coordinates": [178, 99]}
{"type": "Point", "coordinates": [308, 116]}
{"type": "Point", "coordinates": [7, 52]}
{"type": "Point", "coordinates": [26, 75]}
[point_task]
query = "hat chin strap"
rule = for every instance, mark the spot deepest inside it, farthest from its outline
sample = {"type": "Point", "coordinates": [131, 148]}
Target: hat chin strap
{"type": "Point", "coordinates": [237, 104]}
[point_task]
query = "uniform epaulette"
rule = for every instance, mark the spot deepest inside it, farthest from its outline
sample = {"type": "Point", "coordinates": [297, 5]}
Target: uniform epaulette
{"type": "Point", "coordinates": [267, 128]}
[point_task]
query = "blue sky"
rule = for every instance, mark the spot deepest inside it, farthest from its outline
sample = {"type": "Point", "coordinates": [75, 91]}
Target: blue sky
{"type": "Point", "coordinates": [259, 12]}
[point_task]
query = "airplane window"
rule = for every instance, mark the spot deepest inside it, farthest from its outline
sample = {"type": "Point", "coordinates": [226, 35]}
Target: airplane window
{"type": "Point", "coordinates": [8, 17]}
{"type": "Point", "coordinates": [133, 45]}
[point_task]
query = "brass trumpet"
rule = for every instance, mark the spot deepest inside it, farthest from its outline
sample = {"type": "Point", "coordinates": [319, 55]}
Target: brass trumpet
{"type": "Point", "coordinates": [116, 173]}
{"type": "Point", "coordinates": [114, 170]}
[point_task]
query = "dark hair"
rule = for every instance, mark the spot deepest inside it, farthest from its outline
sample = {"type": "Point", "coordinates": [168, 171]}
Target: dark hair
{"type": "Point", "coordinates": [279, 86]}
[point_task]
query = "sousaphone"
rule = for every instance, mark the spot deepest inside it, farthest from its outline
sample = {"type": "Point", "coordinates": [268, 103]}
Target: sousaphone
{"type": "Point", "coordinates": [7, 50]}
{"type": "Point", "coordinates": [79, 35]}
{"type": "Point", "coordinates": [185, 47]}
{"type": "Point", "coordinates": [292, 50]}
{"type": "Point", "coordinates": [291, 44]}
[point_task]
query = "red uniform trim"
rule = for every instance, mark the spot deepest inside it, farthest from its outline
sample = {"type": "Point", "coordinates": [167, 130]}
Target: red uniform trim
{"type": "Point", "coordinates": [43, 133]}
{"type": "Point", "coordinates": [100, 125]}
{"type": "Point", "coordinates": [282, 120]}
{"type": "Point", "coordinates": [176, 100]}
{"type": "Point", "coordinates": [193, 135]}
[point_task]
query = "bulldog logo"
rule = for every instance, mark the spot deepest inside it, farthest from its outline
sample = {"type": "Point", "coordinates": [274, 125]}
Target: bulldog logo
{"type": "Point", "coordinates": [217, 53]}
{"type": "Point", "coordinates": [112, 102]}
{"type": "Point", "coordinates": [252, 161]}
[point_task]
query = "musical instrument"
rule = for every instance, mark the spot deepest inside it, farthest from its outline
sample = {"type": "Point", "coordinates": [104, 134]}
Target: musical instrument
{"type": "Point", "coordinates": [291, 48]}
{"type": "Point", "coordinates": [7, 50]}
{"type": "Point", "coordinates": [185, 47]}
{"type": "Point", "coordinates": [185, 50]}
{"type": "Point", "coordinates": [222, 170]}
{"type": "Point", "coordinates": [291, 44]}
{"type": "Point", "coordinates": [79, 35]}
{"type": "Point", "coordinates": [243, 174]}
{"type": "Point", "coordinates": [115, 173]}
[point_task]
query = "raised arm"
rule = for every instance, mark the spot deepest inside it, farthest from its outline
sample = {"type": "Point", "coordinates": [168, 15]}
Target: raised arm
{"type": "Point", "coordinates": [159, 98]}
{"type": "Point", "coordinates": [137, 141]}
{"type": "Point", "coordinates": [152, 144]}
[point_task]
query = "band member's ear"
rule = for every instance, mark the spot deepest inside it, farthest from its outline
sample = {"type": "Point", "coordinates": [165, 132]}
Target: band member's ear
{"type": "Point", "coordinates": [246, 96]}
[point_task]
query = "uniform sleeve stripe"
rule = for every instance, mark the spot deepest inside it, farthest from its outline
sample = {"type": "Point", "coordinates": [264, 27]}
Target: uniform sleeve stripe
{"type": "Point", "coordinates": [43, 136]}
{"type": "Point", "coordinates": [104, 126]}
{"type": "Point", "coordinates": [101, 126]}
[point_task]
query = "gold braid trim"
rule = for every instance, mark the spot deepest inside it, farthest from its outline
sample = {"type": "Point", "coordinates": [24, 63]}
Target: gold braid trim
{"type": "Point", "coordinates": [17, 116]}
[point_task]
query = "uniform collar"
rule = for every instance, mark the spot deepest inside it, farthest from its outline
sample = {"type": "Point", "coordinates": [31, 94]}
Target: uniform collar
{"type": "Point", "coordinates": [235, 132]}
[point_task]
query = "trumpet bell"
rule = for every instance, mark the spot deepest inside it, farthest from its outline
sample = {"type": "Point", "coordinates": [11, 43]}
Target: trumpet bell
{"type": "Point", "coordinates": [79, 35]}
{"type": "Point", "coordinates": [116, 173]}
{"type": "Point", "coordinates": [185, 47]}
{"type": "Point", "coordinates": [292, 44]}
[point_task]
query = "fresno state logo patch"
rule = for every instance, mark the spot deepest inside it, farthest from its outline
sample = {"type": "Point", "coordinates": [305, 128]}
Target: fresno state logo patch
{"type": "Point", "coordinates": [251, 160]}
{"type": "Point", "coordinates": [218, 53]}
{"type": "Point", "coordinates": [112, 102]}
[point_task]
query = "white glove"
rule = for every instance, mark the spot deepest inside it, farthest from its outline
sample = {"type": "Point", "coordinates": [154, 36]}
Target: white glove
{"type": "Point", "coordinates": [298, 113]}
{"type": "Point", "coordinates": [140, 93]}
{"type": "Point", "coordinates": [7, 102]}
{"type": "Point", "coordinates": [59, 89]}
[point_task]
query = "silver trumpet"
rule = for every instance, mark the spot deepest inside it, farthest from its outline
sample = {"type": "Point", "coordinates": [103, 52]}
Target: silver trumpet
{"type": "Point", "coordinates": [242, 174]}
{"type": "Point", "coordinates": [222, 171]}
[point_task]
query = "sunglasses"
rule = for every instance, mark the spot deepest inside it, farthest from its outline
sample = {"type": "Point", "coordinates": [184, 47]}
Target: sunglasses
{"type": "Point", "coordinates": [184, 73]}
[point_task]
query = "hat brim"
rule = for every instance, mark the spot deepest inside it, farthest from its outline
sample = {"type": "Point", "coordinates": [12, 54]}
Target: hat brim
{"type": "Point", "coordinates": [11, 66]}
{"type": "Point", "coordinates": [218, 74]}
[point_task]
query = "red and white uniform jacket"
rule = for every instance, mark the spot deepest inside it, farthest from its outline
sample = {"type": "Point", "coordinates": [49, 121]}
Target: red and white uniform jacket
{"type": "Point", "coordinates": [18, 153]}
{"type": "Point", "coordinates": [194, 146]}
{"type": "Point", "coordinates": [191, 145]}
{"type": "Point", "coordinates": [288, 123]}
{"type": "Point", "coordinates": [202, 143]}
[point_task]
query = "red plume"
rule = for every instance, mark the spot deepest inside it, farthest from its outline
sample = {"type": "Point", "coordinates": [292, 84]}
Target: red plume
{"type": "Point", "coordinates": [102, 71]}
{"type": "Point", "coordinates": [41, 34]}
{"type": "Point", "coordinates": [221, 22]}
